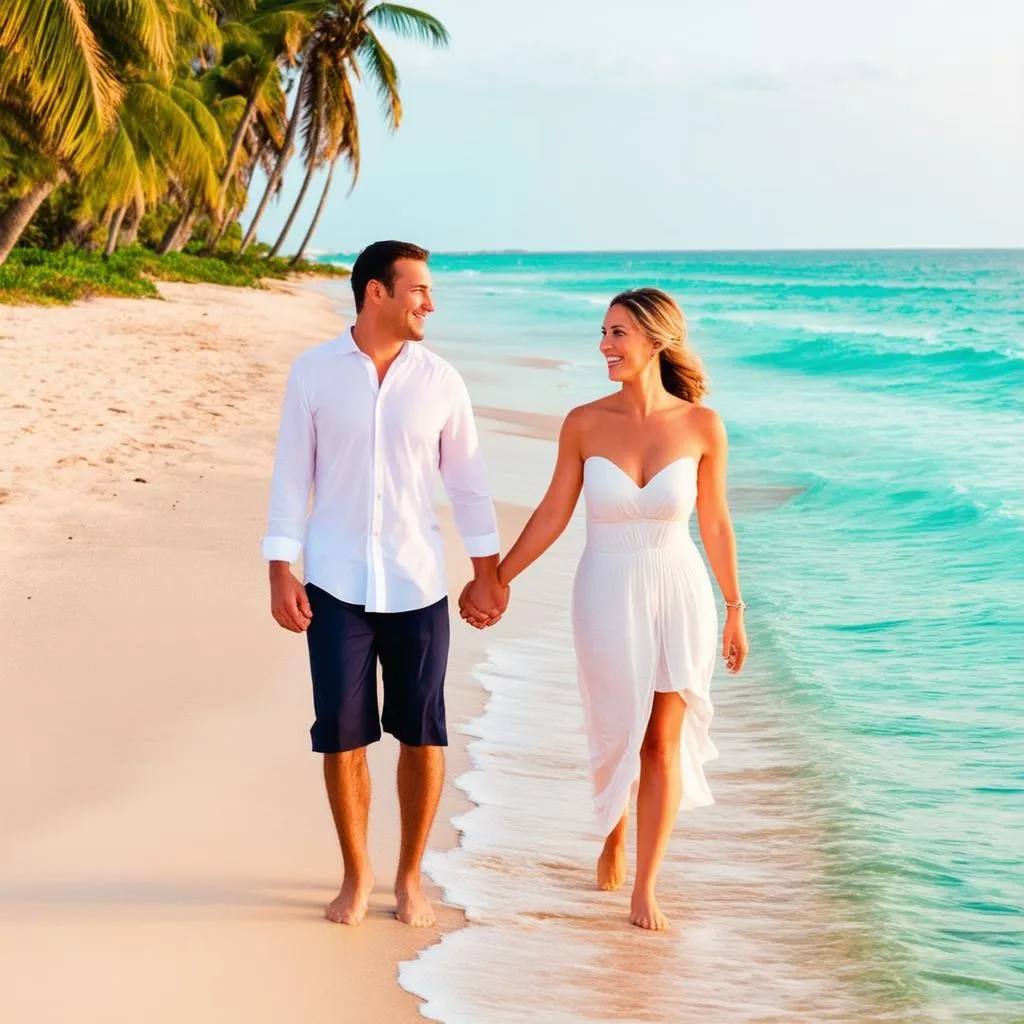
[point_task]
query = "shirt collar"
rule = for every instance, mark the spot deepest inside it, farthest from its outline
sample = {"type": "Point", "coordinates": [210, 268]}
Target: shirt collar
{"type": "Point", "coordinates": [347, 345]}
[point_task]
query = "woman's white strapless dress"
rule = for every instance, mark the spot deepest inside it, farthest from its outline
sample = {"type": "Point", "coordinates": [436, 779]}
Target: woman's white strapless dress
{"type": "Point", "coordinates": [644, 621]}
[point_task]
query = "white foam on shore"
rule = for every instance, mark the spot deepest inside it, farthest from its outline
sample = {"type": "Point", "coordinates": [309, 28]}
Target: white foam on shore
{"type": "Point", "coordinates": [753, 936]}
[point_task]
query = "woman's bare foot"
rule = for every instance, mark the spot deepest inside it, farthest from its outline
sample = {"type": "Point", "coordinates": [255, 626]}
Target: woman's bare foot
{"type": "Point", "coordinates": [413, 906]}
{"type": "Point", "coordinates": [349, 906]}
{"type": "Point", "coordinates": [611, 865]}
{"type": "Point", "coordinates": [644, 912]}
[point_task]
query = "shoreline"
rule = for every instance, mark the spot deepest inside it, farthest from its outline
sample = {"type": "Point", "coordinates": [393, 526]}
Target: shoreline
{"type": "Point", "coordinates": [162, 739]}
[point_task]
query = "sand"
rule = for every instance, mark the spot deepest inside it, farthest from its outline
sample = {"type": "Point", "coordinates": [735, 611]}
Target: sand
{"type": "Point", "coordinates": [538, 426]}
{"type": "Point", "coordinates": [165, 847]}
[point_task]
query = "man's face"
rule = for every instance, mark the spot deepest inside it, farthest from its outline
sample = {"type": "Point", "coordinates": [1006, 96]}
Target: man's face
{"type": "Point", "coordinates": [405, 310]}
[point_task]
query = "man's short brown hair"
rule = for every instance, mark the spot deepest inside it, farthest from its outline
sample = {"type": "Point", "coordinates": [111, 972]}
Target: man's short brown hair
{"type": "Point", "coordinates": [377, 263]}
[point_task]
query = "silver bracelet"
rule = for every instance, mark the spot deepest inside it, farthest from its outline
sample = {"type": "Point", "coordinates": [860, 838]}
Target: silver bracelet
{"type": "Point", "coordinates": [738, 605]}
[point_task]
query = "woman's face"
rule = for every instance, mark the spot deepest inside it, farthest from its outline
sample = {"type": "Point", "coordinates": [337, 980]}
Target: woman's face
{"type": "Point", "coordinates": [626, 349]}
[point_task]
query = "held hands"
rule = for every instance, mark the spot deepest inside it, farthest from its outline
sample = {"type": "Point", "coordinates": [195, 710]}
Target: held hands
{"type": "Point", "coordinates": [734, 641]}
{"type": "Point", "coordinates": [288, 602]}
{"type": "Point", "coordinates": [483, 601]}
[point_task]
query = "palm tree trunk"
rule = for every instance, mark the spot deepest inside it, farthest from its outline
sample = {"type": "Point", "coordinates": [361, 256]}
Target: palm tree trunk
{"type": "Point", "coordinates": [115, 230]}
{"type": "Point", "coordinates": [130, 234]}
{"type": "Point", "coordinates": [217, 230]}
{"type": "Point", "coordinates": [316, 216]}
{"type": "Point", "coordinates": [285, 156]}
{"type": "Point", "coordinates": [217, 221]}
{"type": "Point", "coordinates": [167, 243]}
{"type": "Point", "coordinates": [310, 171]}
{"type": "Point", "coordinates": [19, 214]}
{"type": "Point", "coordinates": [77, 233]}
{"type": "Point", "coordinates": [317, 114]}
{"type": "Point", "coordinates": [226, 222]}
{"type": "Point", "coordinates": [184, 235]}
{"type": "Point", "coordinates": [236, 144]}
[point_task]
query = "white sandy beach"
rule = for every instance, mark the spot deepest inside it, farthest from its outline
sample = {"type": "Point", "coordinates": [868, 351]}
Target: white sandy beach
{"type": "Point", "coordinates": [165, 846]}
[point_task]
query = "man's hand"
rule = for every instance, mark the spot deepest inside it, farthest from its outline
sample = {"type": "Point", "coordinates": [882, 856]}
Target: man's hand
{"type": "Point", "coordinates": [288, 601]}
{"type": "Point", "coordinates": [483, 601]}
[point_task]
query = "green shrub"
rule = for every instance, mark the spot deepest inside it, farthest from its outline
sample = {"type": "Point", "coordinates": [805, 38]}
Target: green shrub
{"type": "Point", "coordinates": [48, 278]}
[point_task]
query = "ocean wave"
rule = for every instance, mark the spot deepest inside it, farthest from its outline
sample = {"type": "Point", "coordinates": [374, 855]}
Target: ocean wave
{"type": "Point", "coordinates": [830, 355]}
{"type": "Point", "coordinates": [821, 287]}
{"type": "Point", "coordinates": [818, 326]}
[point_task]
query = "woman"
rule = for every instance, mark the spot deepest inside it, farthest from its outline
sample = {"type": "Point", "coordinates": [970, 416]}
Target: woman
{"type": "Point", "coordinates": [643, 612]}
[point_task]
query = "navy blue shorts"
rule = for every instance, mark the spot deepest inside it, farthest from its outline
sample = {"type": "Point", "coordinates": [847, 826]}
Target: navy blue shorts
{"type": "Point", "coordinates": [345, 644]}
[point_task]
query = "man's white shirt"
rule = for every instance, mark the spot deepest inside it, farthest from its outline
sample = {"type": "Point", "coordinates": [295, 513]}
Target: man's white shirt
{"type": "Point", "coordinates": [370, 453]}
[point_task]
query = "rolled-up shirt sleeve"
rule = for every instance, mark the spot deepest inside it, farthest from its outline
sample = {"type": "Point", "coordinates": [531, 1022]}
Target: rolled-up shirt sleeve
{"type": "Point", "coordinates": [293, 474]}
{"type": "Point", "coordinates": [465, 477]}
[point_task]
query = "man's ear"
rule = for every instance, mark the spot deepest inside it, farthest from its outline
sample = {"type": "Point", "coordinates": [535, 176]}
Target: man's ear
{"type": "Point", "coordinates": [374, 290]}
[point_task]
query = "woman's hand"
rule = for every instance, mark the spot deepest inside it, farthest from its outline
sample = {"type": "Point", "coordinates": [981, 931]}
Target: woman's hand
{"type": "Point", "coordinates": [483, 602]}
{"type": "Point", "coordinates": [734, 641]}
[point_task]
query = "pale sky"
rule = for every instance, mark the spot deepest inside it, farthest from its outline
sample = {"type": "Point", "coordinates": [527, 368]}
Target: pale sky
{"type": "Point", "coordinates": [678, 124]}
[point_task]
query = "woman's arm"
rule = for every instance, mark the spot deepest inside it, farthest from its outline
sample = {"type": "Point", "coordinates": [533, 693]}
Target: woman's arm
{"type": "Point", "coordinates": [546, 524]}
{"type": "Point", "coordinates": [552, 515]}
{"type": "Point", "coordinates": [716, 533]}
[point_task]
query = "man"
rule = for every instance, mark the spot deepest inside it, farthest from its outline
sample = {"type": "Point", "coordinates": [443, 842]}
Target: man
{"type": "Point", "coordinates": [368, 420]}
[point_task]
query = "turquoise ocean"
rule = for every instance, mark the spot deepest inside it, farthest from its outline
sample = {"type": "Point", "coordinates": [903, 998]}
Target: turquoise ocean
{"type": "Point", "coordinates": [865, 858]}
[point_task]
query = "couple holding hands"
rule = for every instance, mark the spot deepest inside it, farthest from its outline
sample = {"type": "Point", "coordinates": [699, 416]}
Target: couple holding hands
{"type": "Point", "coordinates": [368, 420]}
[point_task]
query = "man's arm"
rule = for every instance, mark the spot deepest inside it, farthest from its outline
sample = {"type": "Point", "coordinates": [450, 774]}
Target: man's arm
{"type": "Point", "coordinates": [289, 497]}
{"type": "Point", "coordinates": [465, 481]}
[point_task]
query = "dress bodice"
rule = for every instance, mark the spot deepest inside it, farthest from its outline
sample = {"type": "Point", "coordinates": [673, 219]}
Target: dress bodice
{"type": "Point", "coordinates": [622, 516]}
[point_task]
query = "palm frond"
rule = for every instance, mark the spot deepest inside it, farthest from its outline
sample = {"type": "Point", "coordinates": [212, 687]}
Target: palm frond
{"type": "Point", "coordinates": [312, 126]}
{"type": "Point", "coordinates": [178, 134]}
{"type": "Point", "coordinates": [148, 26]}
{"type": "Point", "coordinates": [122, 178]}
{"type": "Point", "coordinates": [285, 32]}
{"type": "Point", "coordinates": [232, 8]}
{"type": "Point", "coordinates": [22, 164]}
{"type": "Point", "coordinates": [203, 121]}
{"type": "Point", "coordinates": [384, 75]}
{"type": "Point", "coordinates": [51, 51]}
{"type": "Point", "coordinates": [346, 141]}
{"type": "Point", "coordinates": [238, 39]}
{"type": "Point", "coordinates": [409, 23]}
{"type": "Point", "coordinates": [196, 32]}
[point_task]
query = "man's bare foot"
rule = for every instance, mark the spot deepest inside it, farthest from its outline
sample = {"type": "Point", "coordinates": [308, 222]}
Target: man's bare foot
{"type": "Point", "coordinates": [611, 865]}
{"type": "Point", "coordinates": [644, 912]}
{"type": "Point", "coordinates": [413, 906]}
{"type": "Point", "coordinates": [349, 906]}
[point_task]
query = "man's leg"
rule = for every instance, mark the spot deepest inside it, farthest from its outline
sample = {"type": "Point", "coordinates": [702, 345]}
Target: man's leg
{"type": "Point", "coordinates": [343, 661]}
{"type": "Point", "coordinates": [348, 790]}
{"type": "Point", "coordinates": [413, 651]}
{"type": "Point", "coordinates": [420, 778]}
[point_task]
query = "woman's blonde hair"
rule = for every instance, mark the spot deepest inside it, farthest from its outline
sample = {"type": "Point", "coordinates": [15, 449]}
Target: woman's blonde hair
{"type": "Point", "coordinates": [660, 318]}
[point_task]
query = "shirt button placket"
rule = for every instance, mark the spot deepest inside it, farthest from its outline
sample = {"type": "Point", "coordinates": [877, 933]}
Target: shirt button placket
{"type": "Point", "coordinates": [378, 584]}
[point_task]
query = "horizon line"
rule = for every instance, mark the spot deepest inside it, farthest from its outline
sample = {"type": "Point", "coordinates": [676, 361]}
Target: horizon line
{"type": "Point", "coordinates": [516, 251]}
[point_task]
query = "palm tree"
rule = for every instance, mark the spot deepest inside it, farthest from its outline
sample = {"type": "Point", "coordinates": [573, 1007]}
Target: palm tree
{"type": "Point", "coordinates": [330, 124]}
{"type": "Point", "coordinates": [59, 86]}
{"type": "Point", "coordinates": [165, 136]}
{"type": "Point", "coordinates": [135, 103]}
{"type": "Point", "coordinates": [346, 37]}
{"type": "Point", "coordinates": [260, 149]}
{"type": "Point", "coordinates": [314, 115]}
{"type": "Point", "coordinates": [341, 128]}
{"type": "Point", "coordinates": [256, 49]}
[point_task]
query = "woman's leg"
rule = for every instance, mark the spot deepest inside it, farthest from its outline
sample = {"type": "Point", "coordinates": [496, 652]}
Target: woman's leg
{"type": "Point", "coordinates": [611, 865]}
{"type": "Point", "coordinates": [657, 804]}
